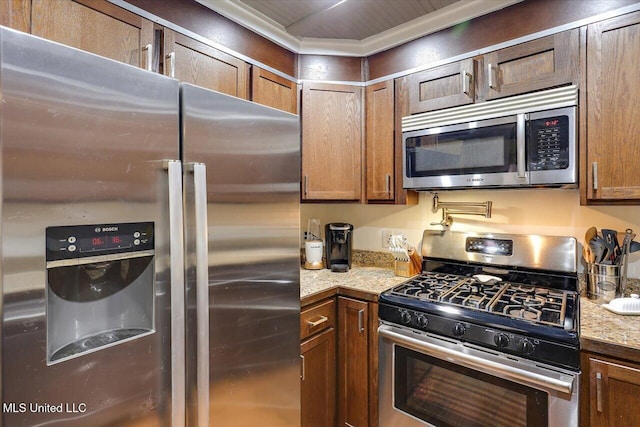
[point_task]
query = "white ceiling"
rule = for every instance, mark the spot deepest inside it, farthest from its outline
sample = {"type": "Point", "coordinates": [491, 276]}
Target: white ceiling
{"type": "Point", "coordinates": [349, 27]}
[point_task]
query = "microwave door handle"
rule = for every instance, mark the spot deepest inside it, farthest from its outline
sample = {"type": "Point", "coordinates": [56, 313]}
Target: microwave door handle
{"type": "Point", "coordinates": [521, 120]}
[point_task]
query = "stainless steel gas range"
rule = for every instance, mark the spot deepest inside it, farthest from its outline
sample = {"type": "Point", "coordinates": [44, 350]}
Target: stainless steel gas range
{"type": "Point", "coordinates": [487, 334]}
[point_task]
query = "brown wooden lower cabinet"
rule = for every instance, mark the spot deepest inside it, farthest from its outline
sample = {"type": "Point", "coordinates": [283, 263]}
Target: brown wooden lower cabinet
{"type": "Point", "coordinates": [610, 392]}
{"type": "Point", "coordinates": [357, 363]}
{"type": "Point", "coordinates": [318, 383]}
{"type": "Point", "coordinates": [339, 384]}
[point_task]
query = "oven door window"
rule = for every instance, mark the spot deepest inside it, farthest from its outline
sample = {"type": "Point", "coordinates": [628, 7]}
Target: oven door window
{"type": "Point", "coordinates": [445, 394]}
{"type": "Point", "coordinates": [490, 149]}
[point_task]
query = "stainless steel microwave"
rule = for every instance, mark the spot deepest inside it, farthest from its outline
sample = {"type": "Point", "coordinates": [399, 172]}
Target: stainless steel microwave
{"type": "Point", "coordinates": [523, 141]}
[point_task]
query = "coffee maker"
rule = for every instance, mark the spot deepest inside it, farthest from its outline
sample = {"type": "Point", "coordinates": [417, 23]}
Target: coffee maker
{"type": "Point", "coordinates": [338, 246]}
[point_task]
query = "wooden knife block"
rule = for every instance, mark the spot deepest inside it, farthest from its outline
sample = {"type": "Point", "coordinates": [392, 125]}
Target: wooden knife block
{"type": "Point", "coordinates": [408, 268]}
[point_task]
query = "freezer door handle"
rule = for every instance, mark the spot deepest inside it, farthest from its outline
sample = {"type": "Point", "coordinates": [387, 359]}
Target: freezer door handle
{"type": "Point", "coordinates": [199, 171]}
{"type": "Point", "coordinates": [176, 254]}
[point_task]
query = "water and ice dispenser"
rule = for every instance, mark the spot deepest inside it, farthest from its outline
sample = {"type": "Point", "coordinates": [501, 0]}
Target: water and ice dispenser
{"type": "Point", "coordinates": [100, 286]}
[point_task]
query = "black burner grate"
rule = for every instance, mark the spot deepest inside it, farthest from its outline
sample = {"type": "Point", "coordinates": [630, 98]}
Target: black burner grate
{"type": "Point", "coordinates": [535, 304]}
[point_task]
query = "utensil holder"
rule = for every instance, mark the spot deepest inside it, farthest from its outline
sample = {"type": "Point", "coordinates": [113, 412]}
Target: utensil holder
{"type": "Point", "coordinates": [606, 282]}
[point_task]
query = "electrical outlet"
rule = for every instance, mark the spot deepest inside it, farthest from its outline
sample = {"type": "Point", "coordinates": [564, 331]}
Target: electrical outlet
{"type": "Point", "coordinates": [386, 234]}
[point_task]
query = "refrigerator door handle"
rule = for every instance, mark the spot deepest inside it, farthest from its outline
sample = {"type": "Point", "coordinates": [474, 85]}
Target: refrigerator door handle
{"type": "Point", "coordinates": [202, 290]}
{"type": "Point", "coordinates": [176, 253]}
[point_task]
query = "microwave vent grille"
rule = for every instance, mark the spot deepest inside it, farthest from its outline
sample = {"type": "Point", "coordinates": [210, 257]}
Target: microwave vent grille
{"type": "Point", "coordinates": [565, 96]}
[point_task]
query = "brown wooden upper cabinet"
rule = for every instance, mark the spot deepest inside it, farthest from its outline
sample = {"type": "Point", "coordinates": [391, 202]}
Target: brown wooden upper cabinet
{"type": "Point", "coordinates": [270, 89]}
{"type": "Point", "coordinates": [16, 14]}
{"type": "Point", "coordinates": [612, 140]}
{"type": "Point", "coordinates": [192, 61]}
{"type": "Point", "coordinates": [441, 87]}
{"type": "Point", "coordinates": [331, 142]}
{"type": "Point", "coordinates": [379, 146]}
{"type": "Point", "coordinates": [536, 65]}
{"type": "Point", "coordinates": [527, 67]}
{"type": "Point", "coordinates": [94, 26]}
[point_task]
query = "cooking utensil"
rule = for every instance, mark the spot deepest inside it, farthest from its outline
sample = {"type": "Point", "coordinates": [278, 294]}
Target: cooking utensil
{"type": "Point", "coordinates": [628, 237]}
{"type": "Point", "coordinates": [611, 242]}
{"type": "Point", "coordinates": [634, 246]}
{"type": "Point", "coordinates": [587, 250]}
{"type": "Point", "coordinates": [598, 248]}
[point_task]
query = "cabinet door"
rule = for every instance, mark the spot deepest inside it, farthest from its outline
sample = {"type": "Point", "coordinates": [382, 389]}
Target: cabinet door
{"type": "Point", "coordinates": [191, 61]}
{"type": "Point", "coordinates": [331, 142]}
{"type": "Point", "coordinates": [96, 26]}
{"type": "Point", "coordinates": [379, 145]}
{"type": "Point", "coordinates": [16, 14]}
{"type": "Point", "coordinates": [270, 89]}
{"type": "Point", "coordinates": [318, 380]}
{"type": "Point", "coordinates": [446, 86]}
{"type": "Point", "coordinates": [539, 64]}
{"type": "Point", "coordinates": [613, 128]}
{"type": "Point", "coordinates": [353, 363]}
{"type": "Point", "coordinates": [613, 394]}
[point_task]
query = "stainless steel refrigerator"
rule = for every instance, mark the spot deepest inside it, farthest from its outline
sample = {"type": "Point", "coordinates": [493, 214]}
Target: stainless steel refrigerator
{"type": "Point", "coordinates": [150, 253]}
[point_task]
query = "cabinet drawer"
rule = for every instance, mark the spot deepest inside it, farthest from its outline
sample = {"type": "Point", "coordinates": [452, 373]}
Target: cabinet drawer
{"type": "Point", "coordinates": [317, 318]}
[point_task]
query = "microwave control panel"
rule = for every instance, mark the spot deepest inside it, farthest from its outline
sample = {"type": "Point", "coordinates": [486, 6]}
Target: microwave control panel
{"type": "Point", "coordinates": [549, 143]}
{"type": "Point", "coordinates": [80, 241]}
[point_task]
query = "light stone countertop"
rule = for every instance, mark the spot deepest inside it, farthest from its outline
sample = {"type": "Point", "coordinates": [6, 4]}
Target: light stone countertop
{"type": "Point", "coordinates": [373, 280]}
{"type": "Point", "coordinates": [599, 328]}
{"type": "Point", "coordinates": [599, 324]}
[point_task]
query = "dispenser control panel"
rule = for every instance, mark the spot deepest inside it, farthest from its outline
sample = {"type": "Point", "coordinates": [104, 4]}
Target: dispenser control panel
{"type": "Point", "coordinates": [79, 241]}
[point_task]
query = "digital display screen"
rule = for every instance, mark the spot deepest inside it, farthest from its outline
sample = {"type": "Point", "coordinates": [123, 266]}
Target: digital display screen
{"type": "Point", "coordinates": [107, 241]}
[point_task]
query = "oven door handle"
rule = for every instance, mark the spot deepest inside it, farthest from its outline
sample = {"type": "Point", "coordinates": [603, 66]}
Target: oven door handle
{"type": "Point", "coordinates": [521, 376]}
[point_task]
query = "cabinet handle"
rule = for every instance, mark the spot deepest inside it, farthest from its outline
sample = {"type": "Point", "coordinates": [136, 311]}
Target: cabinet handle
{"type": "Point", "coordinates": [347, 424]}
{"type": "Point", "coordinates": [361, 320]}
{"type": "Point", "coordinates": [305, 185]}
{"type": "Point", "coordinates": [388, 178]}
{"type": "Point", "coordinates": [595, 175]}
{"type": "Point", "coordinates": [599, 391]}
{"type": "Point", "coordinates": [466, 82]}
{"type": "Point", "coordinates": [320, 321]}
{"type": "Point", "coordinates": [302, 367]}
{"type": "Point", "coordinates": [149, 52]}
{"type": "Point", "coordinates": [171, 59]}
{"type": "Point", "coordinates": [490, 71]}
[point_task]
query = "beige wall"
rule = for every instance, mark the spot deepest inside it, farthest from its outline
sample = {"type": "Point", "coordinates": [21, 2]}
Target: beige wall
{"type": "Point", "coordinates": [526, 211]}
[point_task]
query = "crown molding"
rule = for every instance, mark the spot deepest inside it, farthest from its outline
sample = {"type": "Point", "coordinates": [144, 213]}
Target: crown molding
{"type": "Point", "coordinates": [453, 14]}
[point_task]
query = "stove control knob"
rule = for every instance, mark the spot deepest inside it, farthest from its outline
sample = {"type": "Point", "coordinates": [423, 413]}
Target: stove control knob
{"type": "Point", "coordinates": [422, 321]}
{"type": "Point", "coordinates": [405, 317]}
{"type": "Point", "coordinates": [527, 346]}
{"type": "Point", "coordinates": [501, 340]}
{"type": "Point", "coordinates": [459, 330]}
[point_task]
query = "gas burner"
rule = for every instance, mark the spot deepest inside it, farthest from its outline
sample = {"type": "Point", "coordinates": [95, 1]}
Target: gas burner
{"type": "Point", "coordinates": [522, 312]}
{"type": "Point", "coordinates": [529, 300]}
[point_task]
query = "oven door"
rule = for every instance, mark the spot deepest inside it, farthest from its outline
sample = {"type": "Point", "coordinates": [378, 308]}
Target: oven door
{"type": "Point", "coordinates": [427, 380]}
{"type": "Point", "coordinates": [480, 153]}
